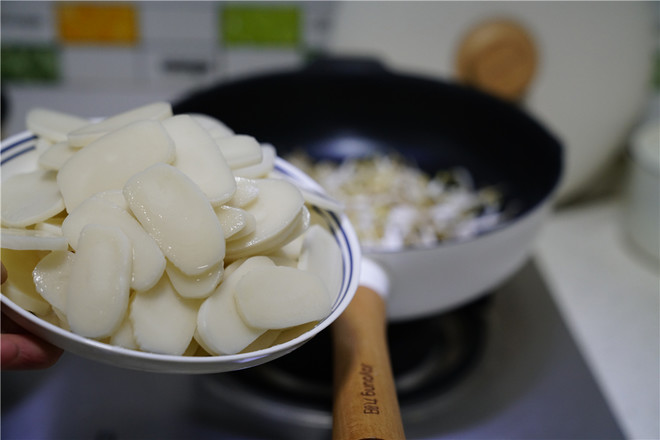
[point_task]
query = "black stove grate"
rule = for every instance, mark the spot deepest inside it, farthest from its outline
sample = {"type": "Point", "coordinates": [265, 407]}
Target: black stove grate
{"type": "Point", "coordinates": [429, 356]}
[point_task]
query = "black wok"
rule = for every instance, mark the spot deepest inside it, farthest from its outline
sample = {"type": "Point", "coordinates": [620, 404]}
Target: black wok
{"type": "Point", "coordinates": [339, 108]}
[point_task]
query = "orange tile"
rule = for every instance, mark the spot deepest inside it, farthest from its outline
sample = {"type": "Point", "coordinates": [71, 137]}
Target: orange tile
{"type": "Point", "coordinates": [97, 23]}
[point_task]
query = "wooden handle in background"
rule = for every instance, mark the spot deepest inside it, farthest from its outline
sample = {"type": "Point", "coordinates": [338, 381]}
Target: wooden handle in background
{"type": "Point", "coordinates": [498, 56]}
{"type": "Point", "coordinates": [365, 399]}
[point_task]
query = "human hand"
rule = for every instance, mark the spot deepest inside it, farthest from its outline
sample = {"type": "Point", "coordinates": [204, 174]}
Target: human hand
{"type": "Point", "coordinates": [20, 350]}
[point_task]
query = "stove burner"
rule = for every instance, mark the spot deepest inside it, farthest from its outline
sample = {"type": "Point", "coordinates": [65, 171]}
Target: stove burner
{"type": "Point", "coordinates": [429, 357]}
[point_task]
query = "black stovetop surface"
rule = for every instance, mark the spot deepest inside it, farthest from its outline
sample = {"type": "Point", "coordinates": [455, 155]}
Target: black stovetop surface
{"type": "Point", "coordinates": [503, 367]}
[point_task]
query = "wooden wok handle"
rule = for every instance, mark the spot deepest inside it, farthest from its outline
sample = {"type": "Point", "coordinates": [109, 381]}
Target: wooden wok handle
{"type": "Point", "coordinates": [498, 56]}
{"type": "Point", "coordinates": [365, 399]}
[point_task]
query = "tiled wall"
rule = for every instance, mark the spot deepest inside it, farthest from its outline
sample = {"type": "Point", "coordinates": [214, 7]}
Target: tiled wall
{"type": "Point", "coordinates": [147, 43]}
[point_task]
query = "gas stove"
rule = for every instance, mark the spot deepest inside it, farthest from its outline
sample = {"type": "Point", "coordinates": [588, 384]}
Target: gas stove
{"type": "Point", "coordinates": [503, 366]}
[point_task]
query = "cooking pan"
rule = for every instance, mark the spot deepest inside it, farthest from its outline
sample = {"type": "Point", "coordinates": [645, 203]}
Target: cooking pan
{"type": "Point", "coordinates": [348, 108]}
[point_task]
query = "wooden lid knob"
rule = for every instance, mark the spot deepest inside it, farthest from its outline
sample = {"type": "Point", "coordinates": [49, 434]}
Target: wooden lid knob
{"type": "Point", "coordinates": [498, 57]}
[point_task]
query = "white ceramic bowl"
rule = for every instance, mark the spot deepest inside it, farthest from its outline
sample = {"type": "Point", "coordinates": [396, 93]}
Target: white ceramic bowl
{"type": "Point", "coordinates": [19, 154]}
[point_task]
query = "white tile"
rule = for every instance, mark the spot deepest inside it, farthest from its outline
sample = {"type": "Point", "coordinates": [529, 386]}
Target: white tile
{"type": "Point", "coordinates": [319, 18]}
{"type": "Point", "coordinates": [190, 22]}
{"type": "Point", "coordinates": [85, 63]}
{"type": "Point", "coordinates": [27, 22]}
{"type": "Point", "coordinates": [237, 62]}
{"type": "Point", "coordinates": [179, 62]}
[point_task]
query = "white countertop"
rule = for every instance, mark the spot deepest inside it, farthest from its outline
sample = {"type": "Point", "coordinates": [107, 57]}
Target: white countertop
{"type": "Point", "coordinates": [609, 294]}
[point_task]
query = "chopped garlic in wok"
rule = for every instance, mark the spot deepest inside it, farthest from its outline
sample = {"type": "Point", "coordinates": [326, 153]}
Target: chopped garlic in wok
{"type": "Point", "coordinates": [393, 204]}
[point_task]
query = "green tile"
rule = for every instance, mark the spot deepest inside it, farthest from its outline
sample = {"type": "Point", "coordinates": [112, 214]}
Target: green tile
{"type": "Point", "coordinates": [29, 63]}
{"type": "Point", "coordinates": [261, 25]}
